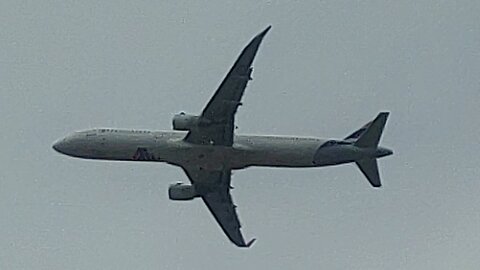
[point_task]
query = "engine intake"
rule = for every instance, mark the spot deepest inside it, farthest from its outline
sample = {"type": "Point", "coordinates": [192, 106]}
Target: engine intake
{"type": "Point", "coordinates": [184, 121]}
{"type": "Point", "coordinates": [181, 192]}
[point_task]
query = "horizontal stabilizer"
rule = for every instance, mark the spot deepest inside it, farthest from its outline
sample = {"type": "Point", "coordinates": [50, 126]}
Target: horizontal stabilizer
{"type": "Point", "coordinates": [369, 168]}
{"type": "Point", "coordinates": [371, 136]}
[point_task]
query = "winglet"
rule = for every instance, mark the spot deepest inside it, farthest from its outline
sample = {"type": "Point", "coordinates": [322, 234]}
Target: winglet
{"type": "Point", "coordinates": [264, 32]}
{"type": "Point", "coordinates": [260, 36]}
{"type": "Point", "coordinates": [250, 242]}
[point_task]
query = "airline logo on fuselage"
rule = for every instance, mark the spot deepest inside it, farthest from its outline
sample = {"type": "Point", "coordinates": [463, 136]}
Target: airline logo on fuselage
{"type": "Point", "coordinates": [142, 154]}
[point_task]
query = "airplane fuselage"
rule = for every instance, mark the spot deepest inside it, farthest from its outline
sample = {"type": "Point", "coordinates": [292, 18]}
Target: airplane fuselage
{"type": "Point", "coordinates": [247, 150]}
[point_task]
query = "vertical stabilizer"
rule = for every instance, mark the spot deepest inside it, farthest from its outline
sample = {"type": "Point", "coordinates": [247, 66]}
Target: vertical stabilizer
{"type": "Point", "coordinates": [355, 135]}
{"type": "Point", "coordinates": [371, 136]}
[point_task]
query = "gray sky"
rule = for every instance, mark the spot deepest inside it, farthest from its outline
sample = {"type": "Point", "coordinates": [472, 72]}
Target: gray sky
{"type": "Point", "coordinates": [324, 69]}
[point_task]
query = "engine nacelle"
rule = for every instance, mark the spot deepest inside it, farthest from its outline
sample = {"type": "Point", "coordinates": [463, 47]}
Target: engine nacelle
{"type": "Point", "coordinates": [184, 121]}
{"type": "Point", "coordinates": [181, 192]}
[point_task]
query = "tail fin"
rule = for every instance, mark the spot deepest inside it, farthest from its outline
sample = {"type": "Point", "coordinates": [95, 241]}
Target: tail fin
{"type": "Point", "coordinates": [354, 136]}
{"type": "Point", "coordinates": [370, 137]}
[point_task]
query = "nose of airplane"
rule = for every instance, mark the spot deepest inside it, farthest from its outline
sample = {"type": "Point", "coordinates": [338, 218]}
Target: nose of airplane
{"type": "Point", "coordinates": [64, 146]}
{"type": "Point", "coordinates": [60, 146]}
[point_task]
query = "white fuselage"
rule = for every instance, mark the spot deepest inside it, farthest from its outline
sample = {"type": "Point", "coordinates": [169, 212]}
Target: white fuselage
{"type": "Point", "coordinates": [169, 147]}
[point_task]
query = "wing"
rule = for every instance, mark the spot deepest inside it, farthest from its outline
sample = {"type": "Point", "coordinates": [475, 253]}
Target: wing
{"type": "Point", "coordinates": [217, 117]}
{"type": "Point", "coordinates": [214, 189]}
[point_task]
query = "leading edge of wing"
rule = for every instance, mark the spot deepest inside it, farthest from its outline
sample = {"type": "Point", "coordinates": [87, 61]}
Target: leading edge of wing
{"type": "Point", "coordinates": [247, 55]}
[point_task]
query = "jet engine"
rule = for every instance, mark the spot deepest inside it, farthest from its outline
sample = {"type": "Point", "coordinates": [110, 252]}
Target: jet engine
{"type": "Point", "coordinates": [183, 121]}
{"type": "Point", "coordinates": [181, 192]}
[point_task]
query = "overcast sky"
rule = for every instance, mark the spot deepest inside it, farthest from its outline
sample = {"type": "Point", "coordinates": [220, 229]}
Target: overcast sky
{"type": "Point", "coordinates": [324, 69]}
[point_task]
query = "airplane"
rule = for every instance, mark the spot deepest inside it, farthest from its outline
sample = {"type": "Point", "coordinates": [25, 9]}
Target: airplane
{"type": "Point", "coordinates": [207, 149]}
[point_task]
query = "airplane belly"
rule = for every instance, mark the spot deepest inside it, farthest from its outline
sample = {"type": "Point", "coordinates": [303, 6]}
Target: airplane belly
{"type": "Point", "coordinates": [276, 155]}
{"type": "Point", "coordinates": [208, 157]}
{"type": "Point", "coordinates": [281, 158]}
